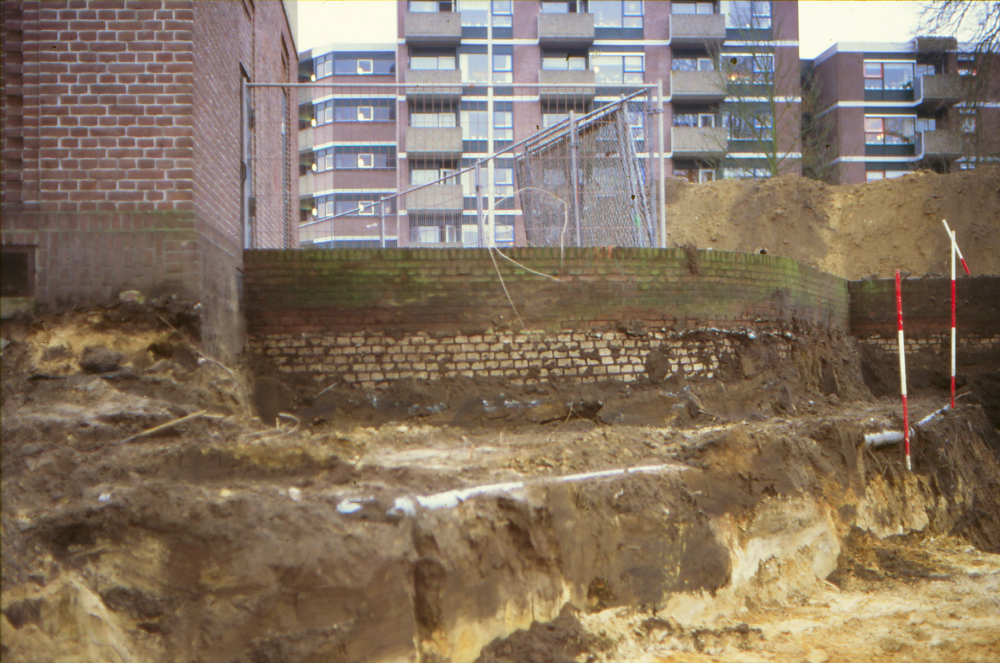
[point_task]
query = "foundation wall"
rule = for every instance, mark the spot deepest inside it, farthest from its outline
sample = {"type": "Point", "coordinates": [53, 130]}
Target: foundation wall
{"type": "Point", "coordinates": [374, 316]}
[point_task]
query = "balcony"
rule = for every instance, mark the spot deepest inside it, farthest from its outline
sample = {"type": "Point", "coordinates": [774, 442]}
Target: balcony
{"type": "Point", "coordinates": [428, 142]}
{"type": "Point", "coordinates": [697, 30]}
{"type": "Point", "coordinates": [697, 86]}
{"type": "Point", "coordinates": [439, 199]}
{"type": "Point", "coordinates": [699, 142]}
{"type": "Point", "coordinates": [430, 78]}
{"type": "Point", "coordinates": [583, 89]}
{"type": "Point", "coordinates": [937, 91]}
{"type": "Point", "coordinates": [941, 145]}
{"type": "Point", "coordinates": [432, 28]}
{"type": "Point", "coordinates": [565, 29]}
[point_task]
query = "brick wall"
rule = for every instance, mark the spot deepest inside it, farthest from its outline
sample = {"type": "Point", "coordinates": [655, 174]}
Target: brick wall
{"type": "Point", "coordinates": [927, 313]}
{"type": "Point", "coordinates": [372, 316]}
{"type": "Point", "coordinates": [121, 147]}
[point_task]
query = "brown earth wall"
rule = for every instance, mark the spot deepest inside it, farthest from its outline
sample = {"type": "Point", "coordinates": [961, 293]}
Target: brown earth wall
{"type": "Point", "coordinates": [373, 316]}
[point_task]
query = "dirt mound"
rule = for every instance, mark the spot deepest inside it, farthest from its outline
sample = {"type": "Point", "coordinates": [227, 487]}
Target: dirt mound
{"type": "Point", "coordinates": [852, 231]}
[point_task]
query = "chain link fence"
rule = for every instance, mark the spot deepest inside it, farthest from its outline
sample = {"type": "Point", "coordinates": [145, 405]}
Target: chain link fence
{"type": "Point", "coordinates": [449, 164]}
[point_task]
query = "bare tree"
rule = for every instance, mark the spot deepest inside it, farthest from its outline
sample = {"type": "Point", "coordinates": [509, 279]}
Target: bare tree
{"type": "Point", "coordinates": [763, 95]}
{"type": "Point", "coordinates": [818, 151]}
{"type": "Point", "coordinates": [980, 23]}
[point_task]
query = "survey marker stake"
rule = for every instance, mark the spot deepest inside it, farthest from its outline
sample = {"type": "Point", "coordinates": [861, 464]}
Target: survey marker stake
{"type": "Point", "coordinates": [954, 250]}
{"type": "Point", "coordinates": [902, 369]}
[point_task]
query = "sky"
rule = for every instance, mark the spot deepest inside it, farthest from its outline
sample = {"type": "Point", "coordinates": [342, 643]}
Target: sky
{"type": "Point", "coordinates": [821, 24]}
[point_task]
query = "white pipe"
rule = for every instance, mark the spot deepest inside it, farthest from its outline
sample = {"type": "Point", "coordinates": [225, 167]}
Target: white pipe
{"type": "Point", "coordinates": [883, 438]}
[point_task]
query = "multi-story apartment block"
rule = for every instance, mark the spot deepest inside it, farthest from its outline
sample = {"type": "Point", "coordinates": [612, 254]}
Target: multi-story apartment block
{"type": "Point", "coordinates": [889, 109]}
{"type": "Point", "coordinates": [472, 80]}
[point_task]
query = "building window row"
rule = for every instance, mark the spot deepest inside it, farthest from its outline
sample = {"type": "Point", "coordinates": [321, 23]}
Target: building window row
{"type": "Point", "coordinates": [355, 158]}
{"type": "Point", "coordinates": [747, 14]}
{"type": "Point", "coordinates": [332, 64]}
{"type": "Point", "coordinates": [353, 111]}
{"type": "Point", "coordinates": [890, 130]}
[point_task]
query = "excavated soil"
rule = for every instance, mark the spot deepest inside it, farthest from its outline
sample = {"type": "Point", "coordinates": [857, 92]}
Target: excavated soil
{"type": "Point", "coordinates": [735, 519]}
{"type": "Point", "coordinates": [854, 231]}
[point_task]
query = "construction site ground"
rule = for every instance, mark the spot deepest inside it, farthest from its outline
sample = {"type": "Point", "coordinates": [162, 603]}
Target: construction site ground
{"type": "Point", "coordinates": [149, 514]}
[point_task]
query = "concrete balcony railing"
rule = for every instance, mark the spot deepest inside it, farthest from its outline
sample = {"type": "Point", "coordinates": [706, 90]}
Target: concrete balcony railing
{"type": "Point", "coordinates": [440, 199]}
{"type": "Point", "coordinates": [699, 142]}
{"type": "Point", "coordinates": [581, 82]}
{"type": "Point", "coordinates": [697, 86]}
{"type": "Point", "coordinates": [940, 144]}
{"type": "Point", "coordinates": [432, 142]}
{"type": "Point", "coordinates": [439, 84]}
{"type": "Point", "coordinates": [697, 29]}
{"type": "Point", "coordinates": [937, 90]}
{"type": "Point", "coordinates": [433, 28]}
{"type": "Point", "coordinates": [565, 29]}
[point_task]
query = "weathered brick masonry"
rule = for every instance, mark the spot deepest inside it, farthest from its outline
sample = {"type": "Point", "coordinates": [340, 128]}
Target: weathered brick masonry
{"type": "Point", "coordinates": [373, 316]}
{"type": "Point", "coordinates": [927, 313]}
{"type": "Point", "coordinates": [121, 147]}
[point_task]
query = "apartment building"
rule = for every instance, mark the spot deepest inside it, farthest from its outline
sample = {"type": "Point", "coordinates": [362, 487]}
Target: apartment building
{"type": "Point", "coordinates": [477, 76]}
{"type": "Point", "coordinates": [890, 109]}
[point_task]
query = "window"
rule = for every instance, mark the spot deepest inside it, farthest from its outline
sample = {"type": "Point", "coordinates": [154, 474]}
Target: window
{"type": "Point", "coordinates": [685, 119]}
{"type": "Point", "coordinates": [755, 69]}
{"type": "Point", "coordinates": [563, 62]}
{"type": "Point", "coordinates": [968, 120]}
{"type": "Point", "coordinates": [420, 176]}
{"type": "Point", "coordinates": [627, 69]}
{"type": "Point", "coordinates": [324, 113]}
{"type": "Point", "coordinates": [925, 70]}
{"type": "Point", "coordinates": [18, 271]}
{"type": "Point", "coordinates": [746, 173]}
{"type": "Point", "coordinates": [346, 111]}
{"type": "Point", "coordinates": [502, 10]}
{"type": "Point", "coordinates": [360, 207]}
{"type": "Point", "coordinates": [324, 160]}
{"type": "Point", "coordinates": [876, 175]}
{"type": "Point", "coordinates": [616, 13]}
{"type": "Point", "coordinates": [758, 126]}
{"type": "Point", "coordinates": [748, 14]}
{"type": "Point", "coordinates": [362, 161]}
{"type": "Point", "coordinates": [888, 75]}
{"type": "Point", "coordinates": [353, 66]}
{"type": "Point", "coordinates": [475, 67]}
{"type": "Point", "coordinates": [433, 120]}
{"type": "Point", "coordinates": [552, 119]}
{"type": "Point", "coordinates": [570, 7]}
{"type": "Point", "coordinates": [636, 122]}
{"type": "Point", "coordinates": [324, 66]}
{"type": "Point", "coordinates": [436, 62]}
{"type": "Point", "coordinates": [475, 125]}
{"type": "Point", "coordinates": [966, 64]}
{"type": "Point", "coordinates": [889, 130]}
{"type": "Point", "coordinates": [691, 64]}
{"type": "Point", "coordinates": [503, 181]}
{"type": "Point", "coordinates": [503, 125]}
{"type": "Point", "coordinates": [503, 68]}
{"type": "Point", "coordinates": [926, 124]}
{"type": "Point", "coordinates": [475, 13]}
{"type": "Point", "coordinates": [692, 7]}
{"type": "Point", "coordinates": [430, 7]}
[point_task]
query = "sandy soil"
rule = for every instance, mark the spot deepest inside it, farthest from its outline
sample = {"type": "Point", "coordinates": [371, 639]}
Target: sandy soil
{"type": "Point", "coordinates": [851, 231]}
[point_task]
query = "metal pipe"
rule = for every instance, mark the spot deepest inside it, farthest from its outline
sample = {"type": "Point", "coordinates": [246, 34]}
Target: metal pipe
{"type": "Point", "coordinates": [883, 438]}
{"type": "Point", "coordinates": [381, 223]}
{"type": "Point", "coordinates": [663, 170]}
{"type": "Point", "coordinates": [479, 206]}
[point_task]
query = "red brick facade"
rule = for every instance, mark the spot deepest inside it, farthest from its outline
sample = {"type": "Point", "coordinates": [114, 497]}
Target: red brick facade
{"type": "Point", "coordinates": [121, 146]}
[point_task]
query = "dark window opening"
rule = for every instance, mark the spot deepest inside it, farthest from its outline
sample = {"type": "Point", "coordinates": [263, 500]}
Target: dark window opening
{"type": "Point", "coordinates": [18, 272]}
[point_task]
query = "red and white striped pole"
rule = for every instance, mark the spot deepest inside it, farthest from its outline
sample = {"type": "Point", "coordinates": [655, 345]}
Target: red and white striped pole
{"type": "Point", "coordinates": [954, 250]}
{"type": "Point", "coordinates": [902, 368]}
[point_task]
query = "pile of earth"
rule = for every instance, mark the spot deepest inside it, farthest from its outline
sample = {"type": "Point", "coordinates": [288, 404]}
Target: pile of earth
{"type": "Point", "coordinates": [853, 231]}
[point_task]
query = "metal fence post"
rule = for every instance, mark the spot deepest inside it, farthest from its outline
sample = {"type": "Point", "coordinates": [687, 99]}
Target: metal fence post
{"type": "Point", "coordinates": [574, 148]}
{"type": "Point", "coordinates": [663, 171]}
{"type": "Point", "coordinates": [381, 222]}
{"type": "Point", "coordinates": [479, 205]}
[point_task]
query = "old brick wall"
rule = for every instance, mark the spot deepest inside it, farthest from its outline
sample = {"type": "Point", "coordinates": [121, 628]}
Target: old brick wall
{"type": "Point", "coordinates": [372, 316]}
{"type": "Point", "coordinates": [119, 153]}
{"type": "Point", "coordinates": [927, 313]}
